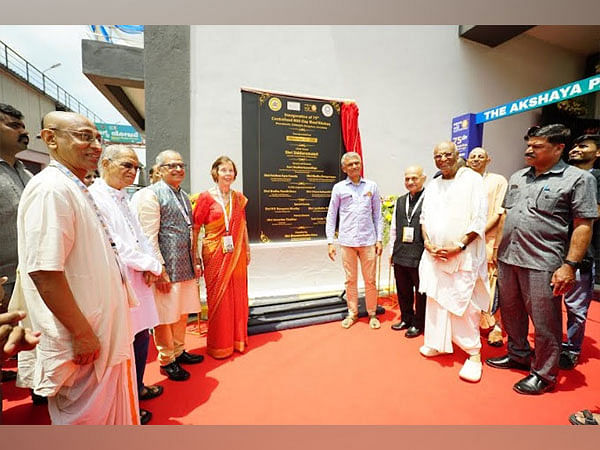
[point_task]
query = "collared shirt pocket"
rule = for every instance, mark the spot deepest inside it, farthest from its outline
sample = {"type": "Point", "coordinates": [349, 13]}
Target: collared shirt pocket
{"type": "Point", "coordinates": [512, 194]}
{"type": "Point", "coordinates": [346, 201]}
{"type": "Point", "coordinates": [546, 200]}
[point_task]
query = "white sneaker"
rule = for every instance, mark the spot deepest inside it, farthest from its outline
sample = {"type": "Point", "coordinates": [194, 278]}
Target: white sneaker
{"type": "Point", "coordinates": [471, 371]}
{"type": "Point", "coordinates": [429, 352]}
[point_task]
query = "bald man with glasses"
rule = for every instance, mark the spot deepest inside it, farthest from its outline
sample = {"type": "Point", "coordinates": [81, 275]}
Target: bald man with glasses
{"type": "Point", "coordinates": [73, 285]}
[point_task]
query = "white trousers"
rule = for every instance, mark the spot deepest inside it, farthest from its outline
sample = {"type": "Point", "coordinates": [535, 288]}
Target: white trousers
{"type": "Point", "coordinates": [442, 328]}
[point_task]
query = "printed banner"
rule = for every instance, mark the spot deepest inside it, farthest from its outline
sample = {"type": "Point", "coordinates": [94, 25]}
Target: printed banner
{"type": "Point", "coordinates": [119, 134]}
{"type": "Point", "coordinates": [565, 92]}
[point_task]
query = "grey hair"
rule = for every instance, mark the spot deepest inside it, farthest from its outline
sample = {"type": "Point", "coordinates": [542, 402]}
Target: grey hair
{"type": "Point", "coordinates": [161, 158]}
{"type": "Point", "coordinates": [350, 155]}
{"type": "Point", "coordinates": [112, 152]}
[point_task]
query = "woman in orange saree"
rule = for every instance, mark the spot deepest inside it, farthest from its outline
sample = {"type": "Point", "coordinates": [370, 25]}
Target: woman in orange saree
{"type": "Point", "coordinates": [225, 254]}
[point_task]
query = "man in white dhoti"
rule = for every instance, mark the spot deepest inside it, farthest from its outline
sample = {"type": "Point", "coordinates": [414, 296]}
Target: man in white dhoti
{"type": "Point", "coordinates": [453, 268]}
{"type": "Point", "coordinates": [70, 282]}
{"type": "Point", "coordinates": [164, 211]}
{"type": "Point", "coordinates": [119, 166]}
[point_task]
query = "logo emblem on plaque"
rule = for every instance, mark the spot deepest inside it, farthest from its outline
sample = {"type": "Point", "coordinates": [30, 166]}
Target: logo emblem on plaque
{"type": "Point", "coordinates": [274, 104]}
{"type": "Point", "coordinates": [327, 110]}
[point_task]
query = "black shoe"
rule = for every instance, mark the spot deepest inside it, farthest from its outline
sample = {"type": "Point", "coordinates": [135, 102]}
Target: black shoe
{"type": "Point", "coordinates": [174, 372]}
{"type": "Point", "coordinates": [189, 358]}
{"type": "Point", "coordinates": [413, 332]}
{"type": "Point", "coordinates": [145, 416]}
{"type": "Point", "coordinates": [568, 360]}
{"type": "Point", "coordinates": [504, 362]}
{"type": "Point", "coordinates": [401, 326]}
{"type": "Point", "coordinates": [9, 375]}
{"type": "Point", "coordinates": [38, 399]}
{"type": "Point", "coordinates": [532, 385]}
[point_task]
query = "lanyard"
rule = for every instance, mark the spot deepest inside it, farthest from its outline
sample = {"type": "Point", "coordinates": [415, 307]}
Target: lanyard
{"type": "Point", "coordinates": [226, 217]}
{"type": "Point", "coordinates": [119, 198]}
{"type": "Point", "coordinates": [414, 209]}
{"type": "Point", "coordinates": [86, 193]}
{"type": "Point", "coordinates": [182, 209]}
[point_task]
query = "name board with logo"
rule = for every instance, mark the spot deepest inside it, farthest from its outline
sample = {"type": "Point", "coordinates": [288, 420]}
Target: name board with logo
{"type": "Point", "coordinates": [292, 148]}
{"type": "Point", "coordinates": [466, 134]}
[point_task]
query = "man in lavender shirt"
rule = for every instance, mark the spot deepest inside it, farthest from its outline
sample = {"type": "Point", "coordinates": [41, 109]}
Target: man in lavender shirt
{"type": "Point", "coordinates": [358, 204]}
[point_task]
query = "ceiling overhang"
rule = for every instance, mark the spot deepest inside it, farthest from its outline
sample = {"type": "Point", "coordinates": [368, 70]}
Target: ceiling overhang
{"type": "Point", "coordinates": [117, 71]}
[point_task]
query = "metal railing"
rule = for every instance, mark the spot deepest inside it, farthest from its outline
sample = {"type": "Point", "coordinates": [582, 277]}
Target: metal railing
{"type": "Point", "coordinates": [18, 66]}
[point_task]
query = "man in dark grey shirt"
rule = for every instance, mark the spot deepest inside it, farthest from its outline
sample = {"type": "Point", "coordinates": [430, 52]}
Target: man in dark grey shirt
{"type": "Point", "coordinates": [13, 178]}
{"type": "Point", "coordinates": [537, 260]}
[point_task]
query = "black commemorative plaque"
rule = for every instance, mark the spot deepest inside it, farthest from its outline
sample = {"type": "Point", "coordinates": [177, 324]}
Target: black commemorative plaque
{"type": "Point", "coordinates": [291, 159]}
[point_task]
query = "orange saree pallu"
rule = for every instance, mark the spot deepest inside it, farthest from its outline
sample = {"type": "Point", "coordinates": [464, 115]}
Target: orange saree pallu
{"type": "Point", "coordinates": [226, 274]}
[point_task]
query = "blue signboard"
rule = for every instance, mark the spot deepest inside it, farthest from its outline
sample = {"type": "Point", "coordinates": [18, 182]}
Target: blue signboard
{"type": "Point", "coordinates": [466, 134]}
{"type": "Point", "coordinates": [119, 134]}
{"type": "Point", "coordinates": [559, 94]}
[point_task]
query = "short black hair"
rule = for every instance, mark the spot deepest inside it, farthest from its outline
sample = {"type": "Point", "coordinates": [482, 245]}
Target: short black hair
{"type": "Point", "coordinates": [11, 111]}
{"type": "Point", "coordinates": [555, 133]}
{"type": "Point", "coordinates": [588, 137]}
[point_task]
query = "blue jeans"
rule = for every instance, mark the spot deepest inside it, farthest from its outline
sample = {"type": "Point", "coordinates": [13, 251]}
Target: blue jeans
{"type": "Point", "coordinates": [577, 302]}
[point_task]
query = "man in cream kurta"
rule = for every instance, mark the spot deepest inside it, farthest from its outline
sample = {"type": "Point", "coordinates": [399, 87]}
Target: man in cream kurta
{"type": "Point", "coordinates": [164, 212]}
{"type": "Point", "coordinates": [453, 269]}
{"type": "Point", "coordinates": [70, 283]}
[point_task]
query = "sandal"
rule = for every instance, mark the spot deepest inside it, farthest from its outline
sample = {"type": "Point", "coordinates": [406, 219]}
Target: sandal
{"type": "Point", "coordinates": [150, 392]}
{"type": "Point", "coordinates": [588, 418]}
{"type": "Point", "coordinates": [145, 416]}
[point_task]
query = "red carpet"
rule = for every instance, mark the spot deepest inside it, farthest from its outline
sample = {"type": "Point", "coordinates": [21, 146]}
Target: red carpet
{"type": "Point", "coordinates": [324, 374]}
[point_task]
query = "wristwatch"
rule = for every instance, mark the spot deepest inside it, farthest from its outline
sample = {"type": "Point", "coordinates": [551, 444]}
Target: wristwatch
{"type": "Point", "coordinates": [461, 245]}
{"type": "Point", "coordinates": [573, 264]}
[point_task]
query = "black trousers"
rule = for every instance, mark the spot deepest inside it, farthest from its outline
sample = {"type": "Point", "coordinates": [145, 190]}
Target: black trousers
{"type": "Point", "coordinates": [407, 285]}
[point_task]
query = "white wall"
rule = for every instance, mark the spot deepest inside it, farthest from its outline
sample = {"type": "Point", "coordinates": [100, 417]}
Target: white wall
{"type": "Point", "coordinates": [408, 81]}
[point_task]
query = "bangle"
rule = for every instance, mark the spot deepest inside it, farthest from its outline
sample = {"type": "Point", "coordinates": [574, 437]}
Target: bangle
{"type": "Point", "coordinates": [460, 245]}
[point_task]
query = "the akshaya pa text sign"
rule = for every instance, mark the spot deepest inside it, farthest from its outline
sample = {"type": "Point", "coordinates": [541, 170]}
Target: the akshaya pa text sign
{"type": "Point", "coordinates": [565, 92]}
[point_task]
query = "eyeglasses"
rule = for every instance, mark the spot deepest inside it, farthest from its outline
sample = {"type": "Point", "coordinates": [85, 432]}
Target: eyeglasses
{"type": "Point", "coordinates": [174, 166]}
{"type": "Point", "coordinates": [126, 165]}
{"type": "Point", "coordinates": [446, 155]}
{"type": "Point", "coordinates": [84, 136]}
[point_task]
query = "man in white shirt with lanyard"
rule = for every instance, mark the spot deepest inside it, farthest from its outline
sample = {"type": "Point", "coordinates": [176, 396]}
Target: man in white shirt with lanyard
{"type": "Point", "coordinates": [73, 285]}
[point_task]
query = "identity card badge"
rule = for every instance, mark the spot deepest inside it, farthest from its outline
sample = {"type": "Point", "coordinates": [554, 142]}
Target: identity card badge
{"type": "Point", "coordinates": [408, 234]}
{"type": "Point", "coordinates": [227, 244]}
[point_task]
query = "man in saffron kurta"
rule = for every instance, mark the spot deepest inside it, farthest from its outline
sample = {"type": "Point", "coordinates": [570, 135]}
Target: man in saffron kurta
{"type": "Point", "coordinates": [165, 214]}
{"type": "Point", "coordinates": [453, 268]}
{"type": "Point", "coordinates": [70, 283]}
{"type": "Point", "coordinates": [495, 186]}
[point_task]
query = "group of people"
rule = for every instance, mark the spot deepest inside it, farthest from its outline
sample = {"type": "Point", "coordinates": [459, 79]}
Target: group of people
{"type": "Point", "coordinates": [471, 247]}
{"type": "Point", "coordinates": [92, 271]}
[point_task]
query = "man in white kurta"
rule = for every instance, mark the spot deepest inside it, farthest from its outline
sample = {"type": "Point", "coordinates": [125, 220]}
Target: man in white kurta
{"type": "Point", "coordinates": [70, 284]}
{"type": "Point", "coordinates": [453, 268]}
{"type": "Point", "coordinates": [119, 166]}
